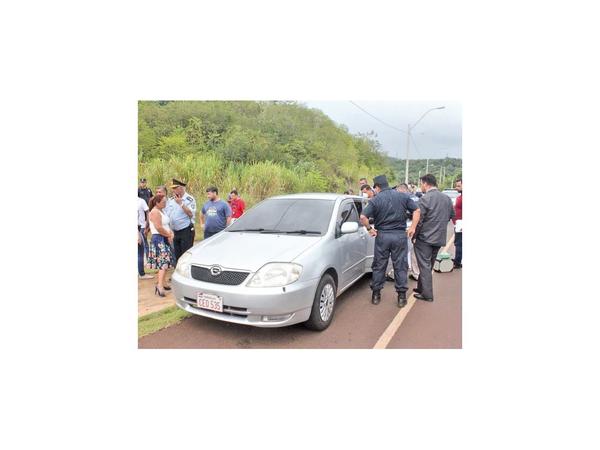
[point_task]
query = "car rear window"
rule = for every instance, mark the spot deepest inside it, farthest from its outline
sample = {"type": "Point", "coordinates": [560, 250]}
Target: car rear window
{"type": "Point", "coordinates": [287, 215]}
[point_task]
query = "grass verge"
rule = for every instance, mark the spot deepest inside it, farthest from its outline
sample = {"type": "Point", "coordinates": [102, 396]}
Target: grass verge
{"type": "Point", "coordinates": [160, 319]}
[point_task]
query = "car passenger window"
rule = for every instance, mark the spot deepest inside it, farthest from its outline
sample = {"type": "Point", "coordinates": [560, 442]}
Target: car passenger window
{"type": "Point", "coordinates": [359, 206]}
{"type": "Point", "coordinates": [344, 212]}
{"type": "Point", "coordinates": [353, 217]}
{"type": "Point", "coordinates": [348, 213]}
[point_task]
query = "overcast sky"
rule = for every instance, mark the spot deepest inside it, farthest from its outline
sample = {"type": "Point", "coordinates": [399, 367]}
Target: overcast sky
{"type": "Point", "coordinates": [438, 135]}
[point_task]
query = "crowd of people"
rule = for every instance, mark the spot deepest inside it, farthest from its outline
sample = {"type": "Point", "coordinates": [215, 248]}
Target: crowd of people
{"type": "Point", "coordinates": [409, 227]}
{"type": "Point", "coordinates": [171, 223]}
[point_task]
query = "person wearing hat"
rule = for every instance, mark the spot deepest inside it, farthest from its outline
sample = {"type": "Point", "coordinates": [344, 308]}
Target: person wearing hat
{"type": "Point", "coordinates": [181, 209]}
{"type": "Point", "coordinates": [144, 191]}
{"type": "Point", "coordinates": [389, 212]}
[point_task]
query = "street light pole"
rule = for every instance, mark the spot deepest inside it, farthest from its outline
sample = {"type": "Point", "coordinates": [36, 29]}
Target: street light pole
{"type": "Point", "coordinates": [408, 130]}
{"type": "Point", "coordinates": [407, 147]}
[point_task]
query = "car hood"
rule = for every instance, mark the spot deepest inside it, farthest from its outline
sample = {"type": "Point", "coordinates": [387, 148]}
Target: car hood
{"type": "Point", "coordinates": [250, 251]}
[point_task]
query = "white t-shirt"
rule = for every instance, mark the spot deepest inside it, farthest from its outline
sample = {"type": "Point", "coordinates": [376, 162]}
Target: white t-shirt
{"type": "Point", "coordinates": [142, 208]}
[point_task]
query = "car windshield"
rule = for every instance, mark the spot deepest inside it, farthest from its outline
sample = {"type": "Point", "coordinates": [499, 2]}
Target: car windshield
{"type": "Point", "coordinates": [286, 216]}
{"type": "Point", "coordinates": [451, 193]}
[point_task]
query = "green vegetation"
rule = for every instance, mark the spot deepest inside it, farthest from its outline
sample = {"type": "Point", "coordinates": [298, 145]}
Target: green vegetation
{"type": "Point", "coordinates": [160, 319]}
{"type": "Point", "coordinates": [449, 168]}
{"type": "Point", "coordinates": [260, 148]}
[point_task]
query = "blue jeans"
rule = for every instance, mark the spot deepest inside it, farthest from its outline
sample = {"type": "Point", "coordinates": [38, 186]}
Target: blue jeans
{"type": "Point", "coordinates": [141, 271]}
{"type": "Point", "coordinates": [145, 241]}
{"type": "Point", "coordinates": [458, 247]}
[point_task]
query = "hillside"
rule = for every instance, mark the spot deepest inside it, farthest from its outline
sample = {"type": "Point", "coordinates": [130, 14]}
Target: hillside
{"type": "Point", "coordinates": [261, 148]}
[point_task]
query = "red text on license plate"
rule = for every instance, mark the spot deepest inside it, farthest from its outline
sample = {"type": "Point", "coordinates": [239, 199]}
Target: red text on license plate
{"type": "Point", "coordinates": [210, 302]}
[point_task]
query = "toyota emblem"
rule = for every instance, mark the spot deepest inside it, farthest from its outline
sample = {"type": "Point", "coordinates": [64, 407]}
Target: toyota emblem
{"type": "Point", "coordinates": [215, 271]}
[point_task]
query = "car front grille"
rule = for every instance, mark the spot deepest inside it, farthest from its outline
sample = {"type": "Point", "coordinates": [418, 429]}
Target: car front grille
{"type": "Point", "coordinates": [228, 277]}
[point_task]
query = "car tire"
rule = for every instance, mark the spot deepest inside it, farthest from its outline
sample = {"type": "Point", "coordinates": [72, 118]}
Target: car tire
{"type": "Point", "coordinates": [323, 306]}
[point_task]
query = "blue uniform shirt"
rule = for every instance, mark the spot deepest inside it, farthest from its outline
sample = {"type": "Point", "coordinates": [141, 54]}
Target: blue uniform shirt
{"type": "Point", "coordinates": [388, 209]}
{"type": "Point", "coordinates": [179, 219]}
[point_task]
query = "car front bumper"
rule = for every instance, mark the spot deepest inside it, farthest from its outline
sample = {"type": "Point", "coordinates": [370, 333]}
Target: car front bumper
{"type": "Point", "coordinates": [260, 307]}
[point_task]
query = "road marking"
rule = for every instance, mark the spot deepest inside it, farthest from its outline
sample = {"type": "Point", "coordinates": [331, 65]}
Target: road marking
{"type": "Point", "coordinates": [390, 331]}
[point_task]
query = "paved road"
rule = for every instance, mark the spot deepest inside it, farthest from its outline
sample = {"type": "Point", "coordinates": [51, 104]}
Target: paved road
{"type": "Point", "coordinates": [357, 324]}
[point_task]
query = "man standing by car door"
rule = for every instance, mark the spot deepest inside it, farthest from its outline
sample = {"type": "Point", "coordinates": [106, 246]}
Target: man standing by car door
{"type": "Point", "coordinates": [388, 209]}
{"type": "Point", "coordinates": [430, 231]}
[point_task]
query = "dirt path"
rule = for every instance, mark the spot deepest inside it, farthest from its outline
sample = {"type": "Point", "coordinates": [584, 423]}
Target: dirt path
{"type": "Point", "coordinates": [148, 302]}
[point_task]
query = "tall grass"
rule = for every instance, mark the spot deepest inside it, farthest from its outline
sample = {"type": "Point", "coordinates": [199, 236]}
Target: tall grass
{"type": "Point", "coordinates": [254, 181]}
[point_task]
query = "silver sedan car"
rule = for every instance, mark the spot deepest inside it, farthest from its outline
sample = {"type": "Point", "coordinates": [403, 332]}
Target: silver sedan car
{"type": "Point", "coordinates": [283, 262]}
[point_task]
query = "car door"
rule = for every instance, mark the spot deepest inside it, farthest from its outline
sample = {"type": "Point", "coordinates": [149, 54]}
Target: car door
{"type": "Point", "coordinates": [352, 247]}
{"type": "Point", "coordinates": [370, 247]}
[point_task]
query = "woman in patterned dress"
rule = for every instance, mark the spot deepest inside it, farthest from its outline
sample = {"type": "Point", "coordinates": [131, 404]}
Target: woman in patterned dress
{"type": "Point", "coordinates": [159, 255]}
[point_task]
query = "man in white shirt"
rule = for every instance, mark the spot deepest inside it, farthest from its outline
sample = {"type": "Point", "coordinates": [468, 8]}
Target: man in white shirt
{"type": "Point", "coordinates": [142, 243]}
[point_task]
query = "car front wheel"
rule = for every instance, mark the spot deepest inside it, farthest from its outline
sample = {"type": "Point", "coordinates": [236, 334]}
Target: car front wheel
{"type": "Point", "coordinates": [323, 305]}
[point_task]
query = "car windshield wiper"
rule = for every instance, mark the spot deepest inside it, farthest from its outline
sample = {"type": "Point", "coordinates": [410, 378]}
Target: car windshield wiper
{"type": "Point", "coordinates": [267, 231]}
{"type": "Point", "coordinates": [289, 232]}
{"type": "Point", "coordinates": [303, 232]}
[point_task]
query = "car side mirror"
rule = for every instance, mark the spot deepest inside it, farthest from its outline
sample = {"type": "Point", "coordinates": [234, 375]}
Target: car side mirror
{"type": "Point", "coordinates": [349, 227]}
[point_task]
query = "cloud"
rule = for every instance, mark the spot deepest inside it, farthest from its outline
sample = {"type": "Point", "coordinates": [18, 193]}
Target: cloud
{"type": "Point", "coordinates": [438, 135]}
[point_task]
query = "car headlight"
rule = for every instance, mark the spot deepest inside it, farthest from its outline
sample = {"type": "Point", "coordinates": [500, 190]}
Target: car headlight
{"type": "Point", "coordinates": [275, 275]}
{"type": "Point", "coordinates": [184, 265]}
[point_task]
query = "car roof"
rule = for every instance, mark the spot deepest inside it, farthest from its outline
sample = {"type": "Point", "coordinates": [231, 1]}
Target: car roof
{"type": "Point", "coordinates": [317, 196]}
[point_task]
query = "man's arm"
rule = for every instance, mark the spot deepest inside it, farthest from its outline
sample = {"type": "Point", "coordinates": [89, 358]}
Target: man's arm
{"type": "Point", "coordinates": [415, 221]}
{"type": "Point", "coordinates": [367, 212]}
{"type": "Point", "coordinates": [228, 214]}
{"type": "Point", "coordinates": [365, 221]}
{"type": "Point", "coordinates": [202, 217]}
{"type": "Point", "coordinates": [191, 210]}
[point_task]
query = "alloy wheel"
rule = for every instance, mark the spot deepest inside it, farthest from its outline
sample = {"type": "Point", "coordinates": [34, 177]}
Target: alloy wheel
{"type": "Point", "coordinates": [326, 302]}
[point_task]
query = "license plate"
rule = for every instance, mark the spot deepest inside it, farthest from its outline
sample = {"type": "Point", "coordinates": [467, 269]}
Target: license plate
{"type": "Point", "coordinates": [209, 301]}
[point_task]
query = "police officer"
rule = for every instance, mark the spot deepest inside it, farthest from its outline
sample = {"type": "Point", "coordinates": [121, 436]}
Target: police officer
{"type": "Point", "coordinates": [144, 191]}
{"type": "Point", "coordinates": [389, 211]}
{"type": "Point", "coordinates": [181, 209]}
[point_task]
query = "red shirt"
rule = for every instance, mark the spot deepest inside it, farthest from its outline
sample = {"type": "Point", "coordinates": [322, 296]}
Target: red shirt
{"type": "Point", "coordinates": [458, 208]}
{"type": "Point", "coordinates": [237, 207]}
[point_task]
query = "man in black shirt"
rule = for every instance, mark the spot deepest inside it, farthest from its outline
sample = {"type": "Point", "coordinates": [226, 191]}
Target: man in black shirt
{"type": "Point", "coordinates": [144, 192]}
{"type": "Point", "coordinates": [389, 211]}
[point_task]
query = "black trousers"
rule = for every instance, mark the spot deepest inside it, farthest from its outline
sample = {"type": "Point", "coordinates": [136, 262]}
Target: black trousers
{"type": "Point", "coordinates": [183, 241]}
{"type": "Point", "coordinates": [458, 246]}
{"type": "Point", "coordinates": [394, 244]}
{"type": "Point", "coordinates": [426, 255]}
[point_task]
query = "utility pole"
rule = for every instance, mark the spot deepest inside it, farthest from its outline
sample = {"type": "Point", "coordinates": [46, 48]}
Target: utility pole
{"type": "Point", "coordinates": [408, 129]}
{"type": "Point", "coordinates": [441, 174]}
{"type": "Point", "coordinates": [427, 168]}
{"type": "Point", "coordinates": [407, 147]}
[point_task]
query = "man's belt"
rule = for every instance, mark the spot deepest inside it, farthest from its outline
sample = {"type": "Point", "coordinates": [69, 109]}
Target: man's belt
{"type": "Point", "coordinates": [183, 229]}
